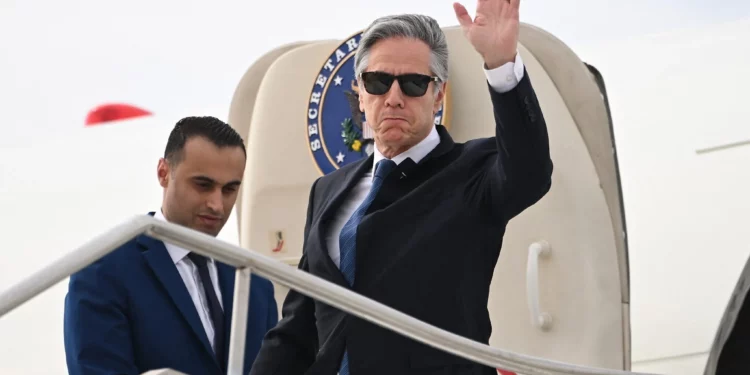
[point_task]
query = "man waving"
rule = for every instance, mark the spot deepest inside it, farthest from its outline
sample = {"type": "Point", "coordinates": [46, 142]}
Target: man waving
{"type": "Point", "coordinates": [419, 224]}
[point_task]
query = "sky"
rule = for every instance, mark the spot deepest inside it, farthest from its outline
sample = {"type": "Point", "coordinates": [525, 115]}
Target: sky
{"type": "Point", "coordinates": [60, 59]}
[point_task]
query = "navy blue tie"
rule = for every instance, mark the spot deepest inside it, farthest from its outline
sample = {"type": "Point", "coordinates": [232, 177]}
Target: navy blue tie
{"type": "Point", "coordinates": [348, 235]}
{"type": "Point", "coordinates": [214, 308]}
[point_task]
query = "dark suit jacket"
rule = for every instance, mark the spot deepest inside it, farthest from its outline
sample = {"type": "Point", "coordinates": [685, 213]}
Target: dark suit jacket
{"type": "Point", "coordinates": [130, 312]}
{"type": "Point", "coordinates": [427, 247]}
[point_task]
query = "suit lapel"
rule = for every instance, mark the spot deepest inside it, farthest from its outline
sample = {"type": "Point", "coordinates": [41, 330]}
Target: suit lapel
{"type": "Point", "coordinates": [344, 186]}
{"type": "Point", "coordinates": [158, 259]}
{"type": "Point", "coordinates": [318, 255]}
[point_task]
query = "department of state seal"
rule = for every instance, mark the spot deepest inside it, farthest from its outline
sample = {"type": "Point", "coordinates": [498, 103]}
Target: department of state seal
{"type": "Point", "coordinates": [337, 131]}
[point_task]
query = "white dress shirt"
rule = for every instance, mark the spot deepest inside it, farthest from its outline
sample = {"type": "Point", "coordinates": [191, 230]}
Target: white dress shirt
{"type": "Point", "coordinates": [501, 79]}
{"type": "Point", "coordinates": [189, 273]}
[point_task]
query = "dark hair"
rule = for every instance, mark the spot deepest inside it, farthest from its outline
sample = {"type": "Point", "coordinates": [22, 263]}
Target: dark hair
{"type": "Point", "coordinates": [216, 131]}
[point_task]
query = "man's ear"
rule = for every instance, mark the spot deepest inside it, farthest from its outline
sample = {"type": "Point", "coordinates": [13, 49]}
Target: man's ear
{"type": "Point", "coordinates": [439, 97]}
{"type": "Point", "coordinates": [360, 96]}
{"type": "Point", "coordinates": [162, 172]}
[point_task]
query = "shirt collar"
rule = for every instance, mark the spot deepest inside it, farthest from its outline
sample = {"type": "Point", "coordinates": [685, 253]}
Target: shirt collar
{"type": "Point", "coordinates": [416, 153]}
{"type": "Point", "coordinates": [175, 252]}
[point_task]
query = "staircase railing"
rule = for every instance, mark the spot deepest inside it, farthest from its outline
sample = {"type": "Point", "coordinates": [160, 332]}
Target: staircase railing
{"type": "Point", "coordinates": [246, 262]}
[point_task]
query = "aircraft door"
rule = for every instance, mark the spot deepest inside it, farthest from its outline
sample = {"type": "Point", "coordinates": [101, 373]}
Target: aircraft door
{"type": "Point", "coordinates": [560, 288]}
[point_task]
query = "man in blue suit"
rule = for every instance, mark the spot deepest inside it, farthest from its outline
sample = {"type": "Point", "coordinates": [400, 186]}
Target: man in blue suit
{"type": "Point", "coordinates": [151, 305]}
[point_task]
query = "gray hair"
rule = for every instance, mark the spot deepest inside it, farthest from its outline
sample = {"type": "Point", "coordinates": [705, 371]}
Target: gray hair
{"type": "Point", "coordinates": [413, 26]}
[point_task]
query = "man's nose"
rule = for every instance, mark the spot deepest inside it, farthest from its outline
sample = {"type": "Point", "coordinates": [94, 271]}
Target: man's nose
{"type": "Point", "coordinates": [394, 97]}
{"type": "Point", "coordinates": [216, 202]}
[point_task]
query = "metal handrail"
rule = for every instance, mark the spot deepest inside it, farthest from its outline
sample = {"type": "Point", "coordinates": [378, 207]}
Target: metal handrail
{"type": "Point", "coordinates": [301, 281]}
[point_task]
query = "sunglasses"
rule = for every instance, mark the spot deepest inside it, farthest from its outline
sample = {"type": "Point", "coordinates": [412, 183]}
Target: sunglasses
{"type": "Point", "coordinates": [413, 84]}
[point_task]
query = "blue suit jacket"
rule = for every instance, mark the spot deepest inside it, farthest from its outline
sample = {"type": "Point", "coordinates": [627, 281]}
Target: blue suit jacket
{"type": "Point", "coordinates": [130, 312]}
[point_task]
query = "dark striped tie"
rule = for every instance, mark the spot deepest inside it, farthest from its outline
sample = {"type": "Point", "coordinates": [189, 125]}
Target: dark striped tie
{"type": "Point", "coordinates": [214, 307]}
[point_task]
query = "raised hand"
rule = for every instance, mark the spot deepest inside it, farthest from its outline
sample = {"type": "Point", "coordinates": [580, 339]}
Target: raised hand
{"type": "Point", "coordinates": [494, 30]}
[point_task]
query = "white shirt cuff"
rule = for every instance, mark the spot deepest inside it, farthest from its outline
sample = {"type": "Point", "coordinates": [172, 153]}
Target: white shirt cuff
{"type": "Point", "coordinates": [505, 78]}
